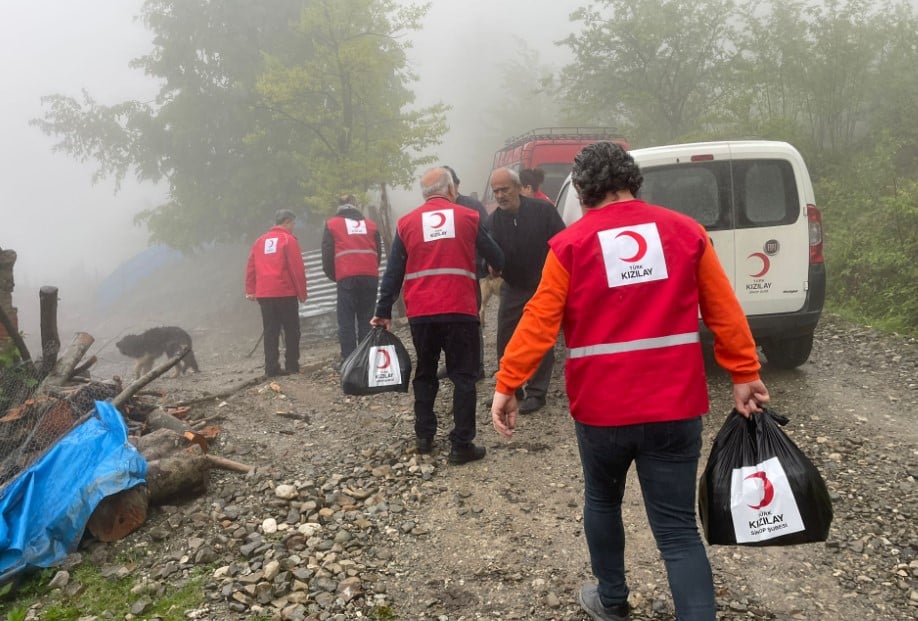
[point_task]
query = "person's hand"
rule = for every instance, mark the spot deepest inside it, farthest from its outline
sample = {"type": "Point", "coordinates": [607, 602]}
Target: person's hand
{"type": "Point", "coordinates": [504, 409]}
{"type": "Point", "coordinates": [381, 322]}
{"type": "Point", "coordinates": [749, 397]}
{"type": "Point", "coordinates": [249, 296]}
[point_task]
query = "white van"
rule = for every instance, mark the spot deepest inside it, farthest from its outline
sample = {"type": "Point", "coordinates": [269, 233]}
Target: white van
{"type": "Point", "coordinates": [756, 200]}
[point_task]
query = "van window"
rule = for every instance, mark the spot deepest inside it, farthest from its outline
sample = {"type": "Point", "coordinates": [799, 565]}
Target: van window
{"type": "Point", "coordinates": [766, 192]}
{"type": "Point", "coordinates": [691, 190]}
{"type": "Point", "coordinates": [554, 177]}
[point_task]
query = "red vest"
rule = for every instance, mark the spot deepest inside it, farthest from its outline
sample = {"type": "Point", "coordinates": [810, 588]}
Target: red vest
{"type": "Point", "coordinates": [631, 317]}
{"type": "Point", "coordinates": [439, 237]}
{"type": "Point", "coordinates": [355, 247]}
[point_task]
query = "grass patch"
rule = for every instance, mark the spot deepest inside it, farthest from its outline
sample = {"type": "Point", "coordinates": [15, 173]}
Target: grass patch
{"type": "Point", "coordinates": [95, 594]}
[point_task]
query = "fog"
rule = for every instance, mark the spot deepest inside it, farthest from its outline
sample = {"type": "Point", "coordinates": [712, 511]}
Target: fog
{"type": "Point", "coordinates": [70, 233]}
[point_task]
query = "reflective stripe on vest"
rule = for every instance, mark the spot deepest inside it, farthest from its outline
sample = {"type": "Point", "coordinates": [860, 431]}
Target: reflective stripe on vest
{"type": "Point", "coordinates": [344, 252]}
{"type": "Point", "coordinates": [639, 345]}
{"type": "Point", "coordinates": [441, 271]}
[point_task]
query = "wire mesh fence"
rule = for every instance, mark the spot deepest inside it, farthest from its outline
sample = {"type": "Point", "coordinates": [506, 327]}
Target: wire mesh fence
{"type": "Point", "coordinates": [33, 419]}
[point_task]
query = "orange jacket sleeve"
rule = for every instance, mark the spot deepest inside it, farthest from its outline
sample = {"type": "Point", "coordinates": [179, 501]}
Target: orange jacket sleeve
{"type": "Point", "coordinates": [734, 347]}
{"type": "Point", "coordinates": [538, 329]}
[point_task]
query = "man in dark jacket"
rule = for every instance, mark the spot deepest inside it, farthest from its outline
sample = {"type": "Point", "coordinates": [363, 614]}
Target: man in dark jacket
{"type": "Point", "coordinates": [351, 251]}
{"type": "Point", "coordinates": [521, 226]}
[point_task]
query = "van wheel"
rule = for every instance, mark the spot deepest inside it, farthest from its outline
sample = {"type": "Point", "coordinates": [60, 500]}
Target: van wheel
{"type": "Point", "coordinates": [788, 353]}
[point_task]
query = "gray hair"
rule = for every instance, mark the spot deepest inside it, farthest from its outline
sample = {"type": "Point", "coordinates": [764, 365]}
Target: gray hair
{"type": "Point", "coordinates": [284, 215]}
{"type": "Point", "coordinates": [441, 184]}
{"type": "Point", "coordinates": [514, 176]}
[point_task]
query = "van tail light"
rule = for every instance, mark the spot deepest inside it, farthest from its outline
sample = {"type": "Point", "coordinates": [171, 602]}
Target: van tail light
{"type": "Point", "coordinates": [814, 221]}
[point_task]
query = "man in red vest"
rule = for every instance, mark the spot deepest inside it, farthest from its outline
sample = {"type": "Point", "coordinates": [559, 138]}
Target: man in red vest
{"type": "Point", "coordinates": [626, 282]}
{"type": "Point", "coordinates": [351, 251]}
{"type": "Point", "coordinates": [433, 254]}
{"type": "Point", "coordinates": [276, 276]}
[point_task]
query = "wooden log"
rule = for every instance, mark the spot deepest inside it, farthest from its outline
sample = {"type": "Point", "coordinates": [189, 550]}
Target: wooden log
{"type": "Point", "coordinates": [160, 443]}
{"type": "Point", "coordinates": [120, 514]}
{"type": "Point", "coordinates": [143, 380]}
{"type": "Point", "coordinates": [83, 368]}
{"type": "Point", "coordinates": [65, 365]}
{"type": "Point", "coordinates": [180, 476]}
{"type": "Point", "coordinates": [50, 340]}
{"type": "Point", "coordinates": [157, 418]}
{"type": "Point", "coordinates": [228, 464]}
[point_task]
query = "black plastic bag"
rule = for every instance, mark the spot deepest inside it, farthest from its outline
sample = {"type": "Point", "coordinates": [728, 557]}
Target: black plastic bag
{"type": "Point", "coordinates": [379, 364]}
{"type": "Point", "coordinates": [759, 489]}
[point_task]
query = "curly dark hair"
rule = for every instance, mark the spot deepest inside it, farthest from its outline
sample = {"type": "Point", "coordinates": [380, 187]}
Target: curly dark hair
{"type": "Point", "coordinates": [604, 167]}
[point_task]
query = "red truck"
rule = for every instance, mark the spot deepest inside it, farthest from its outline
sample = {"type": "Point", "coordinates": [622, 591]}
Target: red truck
{"type": "Point", "coordinates": [550, 148]}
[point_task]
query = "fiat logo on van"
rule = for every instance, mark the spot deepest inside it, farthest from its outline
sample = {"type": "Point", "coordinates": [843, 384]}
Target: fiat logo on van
{"type": "Point", "coordinates": [771, 247]}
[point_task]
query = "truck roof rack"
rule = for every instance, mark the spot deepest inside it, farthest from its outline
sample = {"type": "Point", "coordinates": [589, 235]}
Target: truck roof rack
{"type": "Point", "coordinates": [563, 133]}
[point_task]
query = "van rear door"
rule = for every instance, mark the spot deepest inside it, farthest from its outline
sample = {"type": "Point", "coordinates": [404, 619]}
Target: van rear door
{"type": "Point", "coordinates": [751, 197]}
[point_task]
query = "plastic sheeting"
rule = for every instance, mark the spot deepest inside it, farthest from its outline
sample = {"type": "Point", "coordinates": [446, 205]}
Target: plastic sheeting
{"type": "Point", "coordinates": [44, 510]}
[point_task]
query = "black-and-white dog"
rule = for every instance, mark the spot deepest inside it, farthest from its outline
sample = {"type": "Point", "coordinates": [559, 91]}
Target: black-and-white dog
{"type": "Point", "coordinates": [147, 347]}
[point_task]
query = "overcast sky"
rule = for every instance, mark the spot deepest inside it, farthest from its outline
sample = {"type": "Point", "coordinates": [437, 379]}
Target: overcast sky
{"type": "Point", "coordinates": [61, 225]}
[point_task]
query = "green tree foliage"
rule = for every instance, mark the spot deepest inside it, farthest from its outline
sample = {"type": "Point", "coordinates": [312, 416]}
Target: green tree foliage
{"type": "Point", "coordinates": [872, 232]}
{"type": "Point", "coordinates": [216, 135]}
{"type": "Point", "coordinates": [808, 71]}
{"type": "Point", "coordinates": [340, 95]}
{"type": "Point", "coordinates": [657, 69]}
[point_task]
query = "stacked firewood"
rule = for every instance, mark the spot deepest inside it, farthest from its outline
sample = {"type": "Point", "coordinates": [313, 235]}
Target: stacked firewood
{"type": "Point", "coordinates": [56, 394]}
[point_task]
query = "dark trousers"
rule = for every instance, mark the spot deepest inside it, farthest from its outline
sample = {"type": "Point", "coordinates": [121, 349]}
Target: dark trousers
{"type": "Point", "coordinates": [356, 303]}
{"type": "Point", "coordinates": [459, 342]}
{"type": "Point", "coordinates": [278, 313]}
{"type": "Point", "coordinates": [666, 455]}
{"type": "Point", "coordinates": [509, 313]}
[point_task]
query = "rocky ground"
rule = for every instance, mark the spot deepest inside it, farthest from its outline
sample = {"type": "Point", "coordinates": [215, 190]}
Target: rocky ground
{"type": "Point", "coordinates": [342, 520]}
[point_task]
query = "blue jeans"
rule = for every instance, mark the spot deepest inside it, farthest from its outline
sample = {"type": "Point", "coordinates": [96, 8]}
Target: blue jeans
{"type": "Point", "coordinates": [666, 455]}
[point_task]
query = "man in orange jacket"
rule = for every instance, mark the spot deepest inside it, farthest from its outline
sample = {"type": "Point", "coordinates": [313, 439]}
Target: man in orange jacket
{"type": "Point", "coordinates": [276, 276]}
{"type": "Point", "coordinates": [626, 282]}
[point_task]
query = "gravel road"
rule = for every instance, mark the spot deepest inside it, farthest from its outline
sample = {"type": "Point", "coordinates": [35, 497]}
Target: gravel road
{"type": "Point", "coordinates": [341, 520]}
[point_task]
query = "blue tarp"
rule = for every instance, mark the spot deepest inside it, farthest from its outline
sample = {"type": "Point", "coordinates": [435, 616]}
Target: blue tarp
{"type": "Point", "coordinates": [44, 510]}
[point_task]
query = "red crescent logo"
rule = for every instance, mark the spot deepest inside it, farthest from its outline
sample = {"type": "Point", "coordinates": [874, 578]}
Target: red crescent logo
{"type": "Point", "coordinates": [768, 492]}
{"type": "Point", "coordinates": [386, 360]}
{"type": "Point", "coordinates": [641, 244]}
{"type": "Point", "coordinates": [442, 220]}
{"type": "Point", "coordinates": [766, 263]}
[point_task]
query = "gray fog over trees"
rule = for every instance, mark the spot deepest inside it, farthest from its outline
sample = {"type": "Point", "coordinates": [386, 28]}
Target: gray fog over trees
{"type": "Point", "coordinates": [292, 101]}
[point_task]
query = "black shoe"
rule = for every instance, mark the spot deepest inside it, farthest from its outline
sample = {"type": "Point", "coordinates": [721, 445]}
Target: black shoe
{"type": "Point", "coordinates": [589, 600]}
{"type": "Point", "coordinates": [531, 404]}
{"type": "Point", "coordinates": [424, 446]}
{"type": "Point", "coordinates": [465, 454]}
